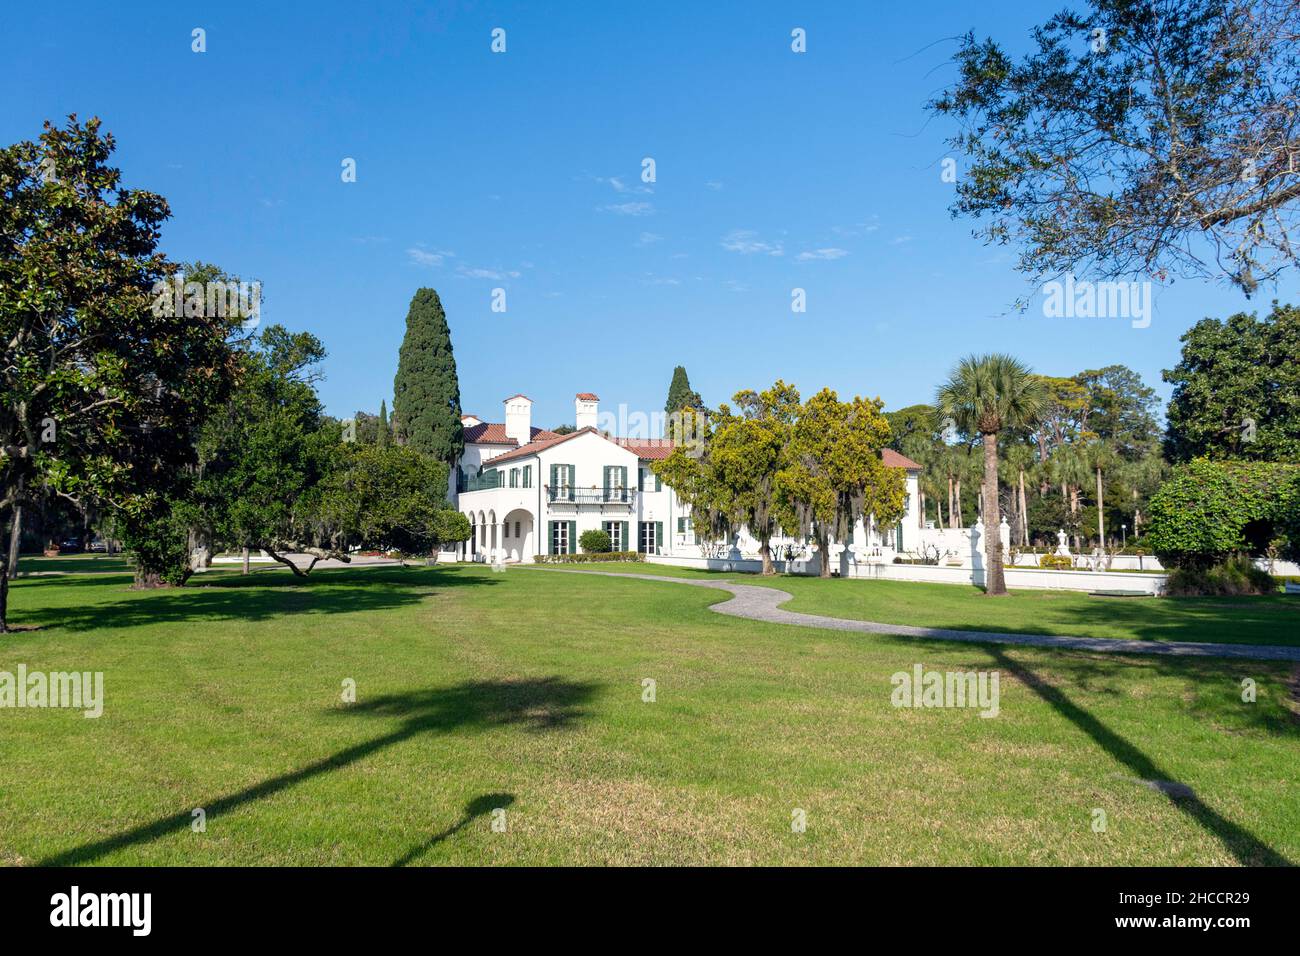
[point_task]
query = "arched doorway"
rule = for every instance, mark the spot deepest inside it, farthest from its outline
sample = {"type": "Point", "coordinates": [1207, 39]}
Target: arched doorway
{"type": "Point", "coordinates": [517, 539]}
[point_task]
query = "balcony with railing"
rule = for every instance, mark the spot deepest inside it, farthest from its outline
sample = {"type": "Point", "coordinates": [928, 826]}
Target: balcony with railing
{"type": "Point", "coordinates": [568, 494]}
{"type": "Point", "coordinates": [483, 482]}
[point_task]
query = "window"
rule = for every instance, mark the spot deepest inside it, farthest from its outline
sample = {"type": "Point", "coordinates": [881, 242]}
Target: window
{"type": "Point", "coordinates": [617, 531]}
{"type": "Point", "coordinates": [650, 535]}
{"type": "Point", "coordinates": [562, 535]}
{"type": "Point", "coordinates": [562, 482]}
{"type": "Point", "coordinates": [684, 524]}
{"type": "Point", "coordinates": [516, 529]}
{"type": "Point", "coordinates": [514, 477]}
{"type": "Point", "coordinates": [615, 483]}
{"type": "Point", "coordinates": [647, 480]}
{"type": "Point", "coordinates": [528, 476]}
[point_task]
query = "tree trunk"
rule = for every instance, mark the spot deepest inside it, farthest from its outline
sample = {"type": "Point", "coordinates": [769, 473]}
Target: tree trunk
{"type": "Point", "coordinates": [15, 542]}
{"type": "Point", "coordinates": [824, 550]}
{"type": "Point", "coordinates": [994, 579]}
{"type": "Point", "coordinates": [1101, 522]}
{"type": "Point", "coordinates": [765, 550]}
{"type": "Point", "coordinates": [1024, 512]}
{"type": "Point", "coordinates": [951, 513]}
{"type": "Point", "coordinates": [246, 554]}
{"type": "Point", "coordinates": [961, 518]}
{"type": "Point", "coordinates": [147, 580]}
{"type": "Point", "coordinates": [4, 603]}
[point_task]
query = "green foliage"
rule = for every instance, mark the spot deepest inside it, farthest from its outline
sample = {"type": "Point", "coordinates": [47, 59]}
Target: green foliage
{"type": "Point", "coordinates": [1237, 389]}
{"type": "Point", "coordinates": [595, 541]}
{"type": "Point", "coordinates": [1236, 575]}
{"type": "Point", "coordinates": [1210, 510]}
{"type": "Point", "coordinates": [451, 527]}
{"type": "Point", "coordinates": [1056, 562]}
{"type": "Point", "coordinates": [387, 499]}
{"type": "Point", "coordinates": [1134, 139]}
{"type": "Point", "coordinates": [680, 393]}
{"type": "Point", "coordinates": [589, 557]}
{"type": "Point", "coordinates": [831, 472]}
{"type": "Point", "coordinates": [426, 391]}
{"type": "Point", "coordinates": [100, 393]}
{"type": "Point", "coordinates": [383, 435]}
{"type": "Point", "coordinates": [159, 541]}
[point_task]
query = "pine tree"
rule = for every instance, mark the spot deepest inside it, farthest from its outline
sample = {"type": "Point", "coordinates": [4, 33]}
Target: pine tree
{"type": "Point", "coordinates": [426, 393]}
{"type": "Point", "coordinates": [381, 438]}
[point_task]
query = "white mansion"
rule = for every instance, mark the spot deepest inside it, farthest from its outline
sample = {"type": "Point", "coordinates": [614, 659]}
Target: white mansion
{"type": "Point", "coordinates": [529, 491]}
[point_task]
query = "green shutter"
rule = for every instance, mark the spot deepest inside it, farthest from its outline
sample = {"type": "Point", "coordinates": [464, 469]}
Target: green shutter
{"type": "Point", "coordinates": [640, 479]}
{"type": "Point", "coordinates": [573, 480]}
{"type": "Point", "coordinates": [622, 480]}
{"type": "Point", "coordinates": [550, 537]}
{"type": "Point", "coordinates": [623, 546]}
{"type": "Point", "coordinates": [659, 536]}
{"type": "Point", "coordinates": [554, 479]}
{"type": "Point", "coordinates": [659, 485]}
{"type": "Point", "coordinates": [606, 470]}
{"type": "Point", "coordinates": [573, 537]}
{"type": "Point", "coordinates": [681, 525]}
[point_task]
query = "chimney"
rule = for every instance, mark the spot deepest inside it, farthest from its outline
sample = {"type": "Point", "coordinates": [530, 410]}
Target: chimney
{"type": "Point", "coordinates": [584, 410]}
{"type": "Point", "coordinates": [519, 418]}
{"type": "Point", "coordinates": [469, 421]}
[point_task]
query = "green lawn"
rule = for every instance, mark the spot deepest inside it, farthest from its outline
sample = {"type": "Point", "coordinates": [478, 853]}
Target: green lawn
{"type": "Point", "coordinates": [1274, 619]}
{"type": "Point", "coordinates": [72, 563]}
{"type": "Point", "coordinates": [523, 690]}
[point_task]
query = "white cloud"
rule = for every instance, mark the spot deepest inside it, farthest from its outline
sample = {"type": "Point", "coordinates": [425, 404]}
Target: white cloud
{"type": "Point", "coordinates": [827, 254]}
{"type": "Point", "coordinates": [425, 257]}
{"type": "Point", "coordinates": [648, 238]}
{"type": "Point", "coordinates": [900, 240]}
{"type": "Point", "coordinates": [481, 273]}
{"type": "Point", "coordinates": [630, 208]}
{"type": "Point", "coordinates": [746, 242]}
{"type": "Point", "coordinates": [714, 185]}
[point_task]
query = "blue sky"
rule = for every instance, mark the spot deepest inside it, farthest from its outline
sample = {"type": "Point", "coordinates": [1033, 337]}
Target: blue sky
{"type": "Point", "coordinates": [522, 171]}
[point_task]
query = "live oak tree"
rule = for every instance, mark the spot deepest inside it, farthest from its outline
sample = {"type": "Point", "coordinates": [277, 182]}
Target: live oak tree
{"type": "Point", "coordinates": [832, 474]}
{"type": "Point", "coordinates": [1236, 389]}
{"type": "Point", "coordinates": [746, 451]}
{"type": "Point", "coordinates": [98, 393]}
{"type": "Point", "coordinates": [426, 391]}
{"type": "Point", "coordinates": [984, 395]}
{"type": "Point", "coordinates": [1139, 137]}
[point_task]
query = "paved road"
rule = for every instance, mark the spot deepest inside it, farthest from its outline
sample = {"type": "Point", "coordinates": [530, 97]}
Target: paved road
{"type": "Point", "coordinates": [761, 604]}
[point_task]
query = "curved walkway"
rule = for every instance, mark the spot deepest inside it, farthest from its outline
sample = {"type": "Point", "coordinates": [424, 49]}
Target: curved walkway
{"type": "Point", "coordinates": [761, 604]}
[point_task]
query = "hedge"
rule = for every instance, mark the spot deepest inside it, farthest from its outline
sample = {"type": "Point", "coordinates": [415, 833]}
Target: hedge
{"type": "Point", "coordinates": [1210, 510]}
{"type": "Point", "coordinates": [589, 558]}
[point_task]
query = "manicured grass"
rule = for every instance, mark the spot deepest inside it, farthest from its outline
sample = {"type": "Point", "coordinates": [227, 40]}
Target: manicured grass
{"type": "Point", "coordinates": [73, 563]}
{"type": "Point", "coordinates": [523, 690]}
{"type": "Point", "coordinates": [1272, 619]}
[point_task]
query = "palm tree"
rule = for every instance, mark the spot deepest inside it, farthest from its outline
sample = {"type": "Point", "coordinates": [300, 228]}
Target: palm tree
{"type": "Point", "coordinates": [986, 394]}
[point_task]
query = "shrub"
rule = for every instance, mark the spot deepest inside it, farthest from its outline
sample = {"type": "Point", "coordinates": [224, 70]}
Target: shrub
{"type": "Point", "coordinates": [1236, 575]}
{"type": "Point", "coordinates": [1056, 562]}
{"type": "Point", "coordinates": [1209, 510]}
{"type": "Point", "coordinates": [590, 557]}
{"type": "Point", "coordinates": [595, 541]}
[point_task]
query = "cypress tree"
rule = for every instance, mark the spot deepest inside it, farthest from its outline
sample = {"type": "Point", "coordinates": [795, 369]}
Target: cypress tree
{"type": "Point", "coordinates": [381, 438]}
{"type": "Point", "coordinates": [426, 392]}
{"type": "Point", "coordinates": [680, 394]}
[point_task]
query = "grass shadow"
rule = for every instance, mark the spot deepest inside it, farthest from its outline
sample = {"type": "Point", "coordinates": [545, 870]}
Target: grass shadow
{"type": "Point", "coordinates": [1248, 849]}
{"type": "Point", "coordinates": [478, 807]}
{"type": "Point", "coordinates": [532, 704]}
{"type": "Point", "coordinates": [232, 596]}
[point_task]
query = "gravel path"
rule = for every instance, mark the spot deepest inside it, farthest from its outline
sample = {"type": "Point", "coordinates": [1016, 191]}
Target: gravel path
{"type": "Point", "coordinates": [761, 604]}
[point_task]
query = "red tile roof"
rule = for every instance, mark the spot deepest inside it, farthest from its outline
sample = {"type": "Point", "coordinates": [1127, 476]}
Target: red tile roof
{"type": "Point", "coordinates": [648, 449]}
{"type": "Point", "coordinates": [494, 433]}
{"type": "Point", "coordinates": [588, 397]}
{"type": "Point", "coordinates": [893, 459]}
{"type": "Point", "coordinates": [539, 443]}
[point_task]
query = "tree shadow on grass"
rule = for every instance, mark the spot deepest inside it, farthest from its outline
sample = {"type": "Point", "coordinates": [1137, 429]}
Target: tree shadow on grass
{"type": "Point", "coordinates": [478, 807]}
{"type": "Point", "coordinates": [531, 704]}
{"type": "Point", "coordinates": [253, 598]}
{"type": "Point", "coordinates": [1248, 849]}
